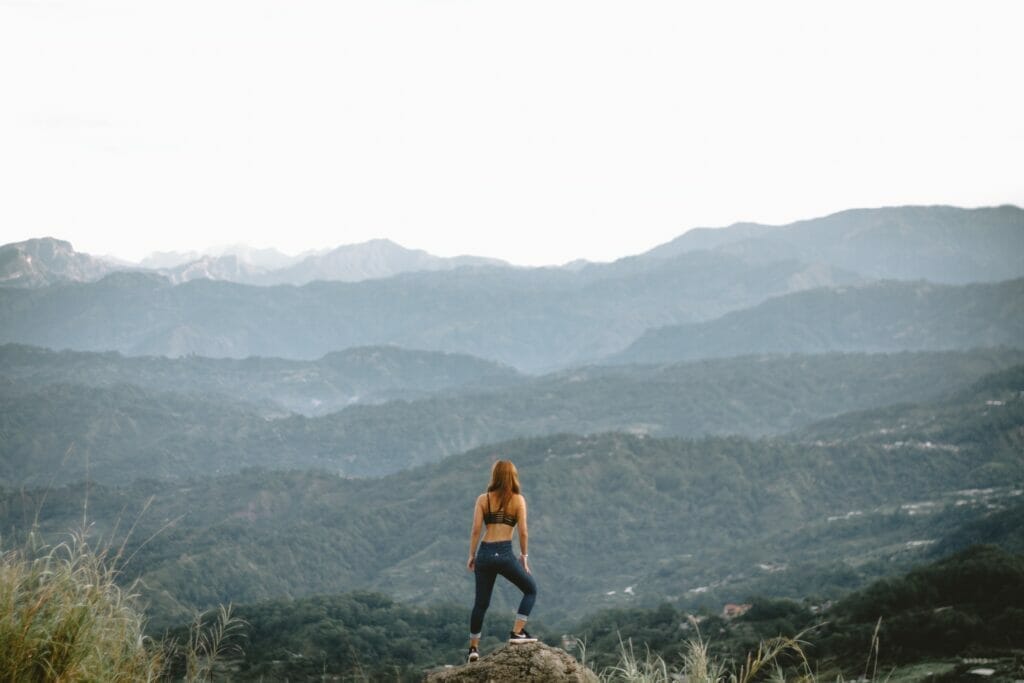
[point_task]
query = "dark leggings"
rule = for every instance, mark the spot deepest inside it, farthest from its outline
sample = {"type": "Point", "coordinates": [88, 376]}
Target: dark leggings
{"type": "Point", "coordinates": [493, 559]}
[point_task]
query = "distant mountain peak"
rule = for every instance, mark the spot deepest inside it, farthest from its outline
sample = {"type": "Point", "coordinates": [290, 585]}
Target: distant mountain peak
{"type": "Point", "coordinates": [48, 242]}
{"type": "Point", "coordinates": [229, 267]}
{"type": "Point", "coordinates": [373, 259]}
{"type": "Point", "coordinates": [376, 244]}
{"type": "Point", "coordinates": [378, 240]}
{"type": "Point", "coordinates": [46, 260]}
{"type": "Point", "coordinates": [262, 258]}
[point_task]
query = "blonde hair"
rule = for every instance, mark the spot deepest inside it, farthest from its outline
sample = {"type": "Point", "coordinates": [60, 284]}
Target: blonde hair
{"type": "Point", "coordinates": [504, 481]}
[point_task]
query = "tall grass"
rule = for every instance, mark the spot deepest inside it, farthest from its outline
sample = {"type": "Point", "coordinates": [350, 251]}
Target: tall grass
{"type": "Point", "coordinates": [631, 668]}
{"type": "Point", "coordinates": [63, 617]}
{"type": "Point", "coordinates": [209, 643]}
{"type": "Point", "coordinates": [780, 660]}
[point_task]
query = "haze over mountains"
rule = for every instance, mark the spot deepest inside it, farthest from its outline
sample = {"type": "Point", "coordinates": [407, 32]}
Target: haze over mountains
{"type": "Point", "coordinates": [43, 261]}
{"type": "Point", "coordinates": [266, 259]}
{"type": "Point", "coordinates": [936, 243]}
{"type": "Point", "coordinates": [339, 379]}
{"type": "Point", "coordinates": [876, 317]}
{"type": "Point", "coordinates": [786, 411]}
{"type": "Point", "coordinates": [539, 318]}
{"type": "Point", "coordinates": [371, 260]}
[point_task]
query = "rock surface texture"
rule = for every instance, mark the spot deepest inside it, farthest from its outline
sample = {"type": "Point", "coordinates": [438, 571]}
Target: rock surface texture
{"type": "Point", "coordinates": [525, 663]}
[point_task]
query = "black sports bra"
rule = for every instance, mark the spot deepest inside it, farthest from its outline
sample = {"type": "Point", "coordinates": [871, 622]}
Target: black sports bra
{"type": "Point", "coordinates": [497, 516]}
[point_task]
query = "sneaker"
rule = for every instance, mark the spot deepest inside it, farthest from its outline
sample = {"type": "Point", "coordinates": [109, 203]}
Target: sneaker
{"type": "Point", "coordinates": [473, 655]}
{"type": "Point", "coordinates": [521, 637]}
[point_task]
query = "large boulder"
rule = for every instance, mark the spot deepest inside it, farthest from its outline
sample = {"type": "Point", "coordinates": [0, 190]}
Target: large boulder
{"type": "Point", "coordinates": [518, 663]}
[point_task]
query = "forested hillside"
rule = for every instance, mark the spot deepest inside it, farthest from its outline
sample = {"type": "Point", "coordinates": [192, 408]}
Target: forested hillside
{"type": "Point", "coordinates": [358, 635]}
{"type": "Point", "coordinates": [968, 605]}
{"type": "Point", "coordinates": [114, 434]}
{"type": "Point", "coordinates": [983, 410]}
{"type": "Point", "coordinates": [690, 521]}
{"type": "Point", "coordinates": [976, 594]}
{"type": "Point", "coordinates": [358, 375]}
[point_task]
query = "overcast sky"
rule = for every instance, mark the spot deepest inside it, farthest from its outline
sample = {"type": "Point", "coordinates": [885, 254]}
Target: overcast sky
{"type": "Point", "coordinates": [537, 132]}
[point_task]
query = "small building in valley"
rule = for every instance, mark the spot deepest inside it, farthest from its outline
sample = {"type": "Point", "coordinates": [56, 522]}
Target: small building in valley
{"type": "Point", "coordinates": [731, 611]}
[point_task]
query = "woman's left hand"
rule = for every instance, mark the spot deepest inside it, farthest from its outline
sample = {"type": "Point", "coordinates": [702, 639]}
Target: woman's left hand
{"type": "Point", "coordinates": [471, 564]}
{"type": "Point", "coordinates": [526, 564]}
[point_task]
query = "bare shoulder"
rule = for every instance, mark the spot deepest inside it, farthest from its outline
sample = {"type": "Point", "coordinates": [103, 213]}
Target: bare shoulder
{"type": "Point", "coordinates": [520, 500]}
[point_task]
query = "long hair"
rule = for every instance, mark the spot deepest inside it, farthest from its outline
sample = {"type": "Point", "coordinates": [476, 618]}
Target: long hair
{"type": "Point", "coordinates": [504, 481]}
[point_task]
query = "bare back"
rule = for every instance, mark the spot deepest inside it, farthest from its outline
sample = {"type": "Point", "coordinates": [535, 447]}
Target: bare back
{"type": "Point", "coordinates": [500, 531]}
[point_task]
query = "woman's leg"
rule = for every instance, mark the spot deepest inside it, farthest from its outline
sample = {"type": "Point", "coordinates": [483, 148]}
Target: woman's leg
{"type": "Point", "coordinates": [512, 569]}
{"type": "Point", "coordinates": [485, 576]}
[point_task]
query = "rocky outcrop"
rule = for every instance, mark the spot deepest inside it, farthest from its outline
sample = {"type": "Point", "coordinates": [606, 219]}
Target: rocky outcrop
{"type": "Point", "coordinates": [522, 663]}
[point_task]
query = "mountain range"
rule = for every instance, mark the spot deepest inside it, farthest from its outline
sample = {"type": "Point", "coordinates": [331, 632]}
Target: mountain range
{"type": "Point", "coordinates": [44, 261]}
{"type": "Point", "coordinates": [687, 521]}
{"type": "Point", "coordinates": [531, 319]}
{"type": "Point", "coordinates": [935, 243]}
{"type": "Point", "coordinates": [379, 258]}
{"type": "Point", "coordinates": [666, 301]}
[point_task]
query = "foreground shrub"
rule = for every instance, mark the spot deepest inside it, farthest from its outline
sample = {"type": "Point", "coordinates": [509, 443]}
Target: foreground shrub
{"type": "Point", "coordinates": [64, 618]}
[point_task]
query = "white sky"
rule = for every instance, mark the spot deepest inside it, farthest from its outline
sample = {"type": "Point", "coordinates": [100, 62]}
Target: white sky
{"type": "Point", "coordinates": [537, 132]}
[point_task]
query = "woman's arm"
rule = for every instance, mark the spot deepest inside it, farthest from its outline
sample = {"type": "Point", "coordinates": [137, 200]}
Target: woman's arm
{"type": "Point", "coordinates": [474, 534]}
{"type": "Point", "coordinates": [524, 533]}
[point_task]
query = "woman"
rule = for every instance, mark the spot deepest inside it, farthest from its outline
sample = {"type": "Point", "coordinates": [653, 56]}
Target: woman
{"type": "Point", "coordinates": [501, 508]}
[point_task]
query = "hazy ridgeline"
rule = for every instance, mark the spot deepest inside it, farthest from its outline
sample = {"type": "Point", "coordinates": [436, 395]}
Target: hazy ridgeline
{"type": "Point", "coordinates": [787, 412]}
{"type": "Point", "coordinates": [275, 386]}
{"type": "Point", "coordinates": [531, 318]}
{"type": "Point", "coordinates": [118, 432]}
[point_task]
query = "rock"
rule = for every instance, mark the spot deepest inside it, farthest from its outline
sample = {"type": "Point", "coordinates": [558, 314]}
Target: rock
{"type": "Point", "coordinates": [519, 663]}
